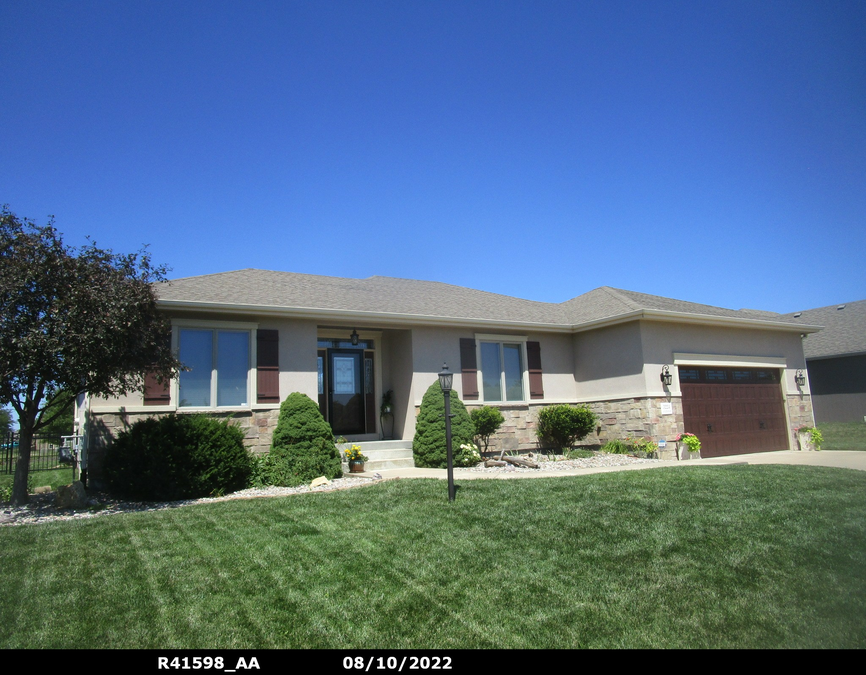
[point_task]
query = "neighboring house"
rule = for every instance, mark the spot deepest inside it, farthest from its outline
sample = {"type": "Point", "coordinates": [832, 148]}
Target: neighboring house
{"type": "Point", "coordinates": [836, 361]}
{"type": "Point", "coordinates": [251, 337]}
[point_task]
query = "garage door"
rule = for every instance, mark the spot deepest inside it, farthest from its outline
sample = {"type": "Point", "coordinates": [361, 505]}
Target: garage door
{"type": "Point", "coordinates": [734, 410]}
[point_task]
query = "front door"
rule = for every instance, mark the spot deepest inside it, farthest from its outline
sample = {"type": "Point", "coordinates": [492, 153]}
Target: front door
{"type": "Point", "coordinates": [346, 391]}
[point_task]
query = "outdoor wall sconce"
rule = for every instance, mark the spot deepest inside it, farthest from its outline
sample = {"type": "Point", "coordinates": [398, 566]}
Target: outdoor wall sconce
{"type": "Point", "coordinates": [666, 376]}
{"type": "Point", "coordinates": [354, 338]}
{"type": "Point", "coordinates": [446, 380]}
{"type": "Point", "coordinates": [800, 379]}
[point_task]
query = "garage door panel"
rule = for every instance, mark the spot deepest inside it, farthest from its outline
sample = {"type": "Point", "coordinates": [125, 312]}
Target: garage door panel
{"type": "Point", "coordinates": [735, 418]}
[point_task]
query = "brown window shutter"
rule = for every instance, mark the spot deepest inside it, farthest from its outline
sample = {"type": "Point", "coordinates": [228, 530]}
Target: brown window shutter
{"type": "Point", "coordinates": [154, 392]}
{"type": "Point", "coordinates": [533, 359]}
{"type": "Point", "coordinates": [469, 367]}
{"type": "Point", "coordinates": [268, 366]}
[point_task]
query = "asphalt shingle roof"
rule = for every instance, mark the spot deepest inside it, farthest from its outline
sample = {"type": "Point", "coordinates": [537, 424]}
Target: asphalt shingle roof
{"type": "Point", "coordinates": [408, 297]}
{"type": "Point", "coordinates": [844, 329]}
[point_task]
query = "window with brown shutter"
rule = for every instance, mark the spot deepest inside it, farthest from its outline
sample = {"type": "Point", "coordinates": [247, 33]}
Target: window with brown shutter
{"type": "Point", "coordinates": [154, 392]}
{"type": "Point", "coordinates": [469, 368]}
{"type": "Point", "coordinates": [533, 365]}
{"type": "Point", "coordinates": [267, 366]}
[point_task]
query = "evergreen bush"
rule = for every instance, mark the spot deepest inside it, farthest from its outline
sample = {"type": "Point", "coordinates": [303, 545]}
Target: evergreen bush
{"type": "Point", "coordinates": [177, 457]}
{"type": "Point", "coordinates": [561, 426]}
{"type": "Point", "coordinates": [429, 445]}
{"type": "Point", "coordinates": [302, 447]}
{"type": "Point", "coordinates": [486, 421]}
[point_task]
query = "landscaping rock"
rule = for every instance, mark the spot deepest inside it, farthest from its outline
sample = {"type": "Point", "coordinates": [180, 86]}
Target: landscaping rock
{"type": "Point", "coordinates": [71, 496]}
{"type": "Point", "coordinates": [321, 480]}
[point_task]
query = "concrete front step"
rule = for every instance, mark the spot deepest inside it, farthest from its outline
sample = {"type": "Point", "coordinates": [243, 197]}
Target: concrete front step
{"type": "Point", "coordinates": [383, 455]}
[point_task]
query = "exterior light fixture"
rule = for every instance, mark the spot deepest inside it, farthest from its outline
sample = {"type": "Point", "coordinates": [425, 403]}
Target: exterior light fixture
{"type": "Point", "coordinates": [666, 377]}
{"type": "Point", "coordinates": [446, 380]}
{"type": "Point", "coordinates": [800, 378]}
{"type": "Point", "coordinates": [354, 338]}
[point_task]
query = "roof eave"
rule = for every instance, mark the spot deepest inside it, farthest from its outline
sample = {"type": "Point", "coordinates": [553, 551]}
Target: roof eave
{"type": "Point", "coordinates": [694, 319]}
{"type": "Point", "coordinates": [391, 318]}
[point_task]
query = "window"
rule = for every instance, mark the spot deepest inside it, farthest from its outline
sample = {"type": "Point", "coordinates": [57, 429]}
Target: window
{"type": "Point", "coordinates": [502, 371]}
{"type": "Point", "coordinates": [219, 367]}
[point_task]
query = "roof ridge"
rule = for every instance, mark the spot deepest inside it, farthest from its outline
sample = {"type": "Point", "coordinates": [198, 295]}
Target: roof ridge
{"type": "Point", "coordinates": [619, 295]}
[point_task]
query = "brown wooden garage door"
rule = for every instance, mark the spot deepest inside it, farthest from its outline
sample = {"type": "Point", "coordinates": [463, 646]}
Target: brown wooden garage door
{"type": "Point", "coordinates": [734, 410]}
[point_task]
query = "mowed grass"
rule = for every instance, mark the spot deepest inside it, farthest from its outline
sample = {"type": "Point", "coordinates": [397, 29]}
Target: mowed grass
{"type": "Point", "coordinates": [736, 556]}
{"type": "Point", "coordinates": [843, 435]}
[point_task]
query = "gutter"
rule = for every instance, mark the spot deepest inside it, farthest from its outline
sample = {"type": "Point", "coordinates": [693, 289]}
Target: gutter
{"type": "Point", "coordinates": [402, 319]}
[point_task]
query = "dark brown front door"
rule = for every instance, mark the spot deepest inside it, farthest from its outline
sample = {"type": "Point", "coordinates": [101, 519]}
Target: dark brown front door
{"type": "Point", "coordinates": [734, 410]}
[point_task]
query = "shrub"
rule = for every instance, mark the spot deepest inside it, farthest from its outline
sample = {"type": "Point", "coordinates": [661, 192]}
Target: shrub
{"type": "Point", "coordinates": [302, 447]}
{"type": "Point", "coordinates": [486, 421]}
{"type": "Point", "coordinates": [631, 446]}
{"type": "Point", "coordinates": [429, 444]}
{"type": "Point", "coordinates": [561, 426]}
{"type": "Point", "coordinates": [616, 447]}
{"type": "Point", "coordinates": [177, 457]}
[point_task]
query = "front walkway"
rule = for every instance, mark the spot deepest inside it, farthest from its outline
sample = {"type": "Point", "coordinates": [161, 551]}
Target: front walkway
{"type": "Point", "coordinates": [832, 458]}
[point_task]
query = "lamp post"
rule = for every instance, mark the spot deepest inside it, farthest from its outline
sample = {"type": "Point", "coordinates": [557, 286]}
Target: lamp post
{"type": "Point", "coordinates": [446, 379]}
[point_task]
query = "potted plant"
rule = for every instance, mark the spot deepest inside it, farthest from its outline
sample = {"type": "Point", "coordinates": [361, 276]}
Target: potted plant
{"type": "Point", "coordinates": [809, 437]}
{"type": "Point", "coordinates": [355, 458]}
{"type": "Point", "coordinates": [386, 410]}
{"type": "Point", "coordinates": [688, 443]}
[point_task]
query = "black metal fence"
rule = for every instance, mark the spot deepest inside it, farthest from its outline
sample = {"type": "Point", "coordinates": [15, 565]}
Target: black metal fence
{"type": "Point", "coordinates": [46, 453]}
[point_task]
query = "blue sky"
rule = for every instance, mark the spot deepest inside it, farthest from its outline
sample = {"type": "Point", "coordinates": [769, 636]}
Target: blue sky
{"type": "Point", "coordinates": [712, 152]}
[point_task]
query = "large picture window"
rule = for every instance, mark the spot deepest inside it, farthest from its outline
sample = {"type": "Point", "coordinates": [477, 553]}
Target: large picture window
{"type": "Point", "coordinates": [218, 363]}
{"type": "Point", "coordinates": [502, 366]}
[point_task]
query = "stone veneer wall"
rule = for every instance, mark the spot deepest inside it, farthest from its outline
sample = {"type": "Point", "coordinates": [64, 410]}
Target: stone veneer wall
{"type": "Point", "coordinates": [622, 418]}
{"type": "Point", "coordinates": [800, 414]}
{"type": "Point", "coordinates": [258, 426]}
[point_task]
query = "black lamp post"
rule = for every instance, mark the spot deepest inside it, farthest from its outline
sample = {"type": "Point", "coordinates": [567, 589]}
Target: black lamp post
{"type": "Point", "coordinates": [446, 379]}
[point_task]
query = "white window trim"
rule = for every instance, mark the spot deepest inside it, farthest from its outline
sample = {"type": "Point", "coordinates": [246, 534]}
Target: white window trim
{"type": "Point", "coordinates": [252, 383]}
{"type": "Point", "coordinates": [509, 339]}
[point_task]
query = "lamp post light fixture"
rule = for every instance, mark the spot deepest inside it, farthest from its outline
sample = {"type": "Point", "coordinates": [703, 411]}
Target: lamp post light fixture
{"type": "Point", "coordinates": [800, 378]}
{"type": "Point", "coordinates": [446, 380]}
{"type": "Point", "coordinates": [666, 376]}
{"type": "Point", "coordinates": [354, 338]}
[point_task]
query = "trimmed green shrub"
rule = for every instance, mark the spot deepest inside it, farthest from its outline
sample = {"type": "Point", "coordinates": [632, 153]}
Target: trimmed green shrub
{"type": "Point", "coordinates": [486, 421]}
{"type": "Point", "coordinates": [561, 426]}
{"type": "Point", "coordinates": [177, 457]}
{"type": "Point", "coordinates": [429, 444]}
{"type": "Point", "coordinates": [302, 447]}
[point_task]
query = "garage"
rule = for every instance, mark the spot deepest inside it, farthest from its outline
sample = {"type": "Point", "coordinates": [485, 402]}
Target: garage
{"type": "Point", "coordinates": [734, 410]}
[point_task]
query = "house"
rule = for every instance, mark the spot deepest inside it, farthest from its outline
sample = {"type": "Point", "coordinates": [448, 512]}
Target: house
{"type": "Point", "coordinates": [251, 337]}
{"type": "Point", "coordinates": [836, 361]}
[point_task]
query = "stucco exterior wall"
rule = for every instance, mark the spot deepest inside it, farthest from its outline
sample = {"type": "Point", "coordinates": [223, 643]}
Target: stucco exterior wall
{"type": "Point", "coordinates": [608, 363]}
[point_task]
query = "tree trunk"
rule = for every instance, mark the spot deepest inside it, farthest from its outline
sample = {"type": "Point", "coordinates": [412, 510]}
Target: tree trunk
{"type": "Point", "coordinates": [22, 467]}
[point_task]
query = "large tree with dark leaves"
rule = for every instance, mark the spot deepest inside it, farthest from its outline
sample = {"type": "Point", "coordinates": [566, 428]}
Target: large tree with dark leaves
{"type": "Point", "coordinates": [72, 320]}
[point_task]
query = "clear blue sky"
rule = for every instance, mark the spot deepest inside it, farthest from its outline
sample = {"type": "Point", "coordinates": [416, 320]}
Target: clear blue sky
{"type": "Point", "coordinates": [707, 151]}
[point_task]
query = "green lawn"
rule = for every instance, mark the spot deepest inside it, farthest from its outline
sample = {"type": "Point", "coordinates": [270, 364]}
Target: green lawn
{"type": "Point", "coordinates": [843, 435]}
{"type": "Point", "coordinates": [52, 477]}
{"type": "Point", "coordinates": [737, 556]}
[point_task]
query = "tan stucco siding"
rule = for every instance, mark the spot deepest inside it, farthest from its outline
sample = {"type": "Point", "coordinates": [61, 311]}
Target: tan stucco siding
{"type": "Point", "coordinates": [662, 340]}
{"type": "Point", "coordinates": [609, 363]}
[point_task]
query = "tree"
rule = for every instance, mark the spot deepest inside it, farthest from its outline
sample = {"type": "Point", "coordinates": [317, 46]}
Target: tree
{"type": "Point", "coordinates": [5, 421]}
{"type": "Point", "coordinates": [429, 446]}
{"type": "Point", "coordinates": [73, 320]}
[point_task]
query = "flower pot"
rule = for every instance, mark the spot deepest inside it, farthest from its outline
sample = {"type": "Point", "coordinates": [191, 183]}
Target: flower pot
{"type": "Point", "coordinates": [685, 453]}
{"type": "Point", "coordinates": [356, 466]}
{"type": "Point", "coordinates": [805, 439]}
